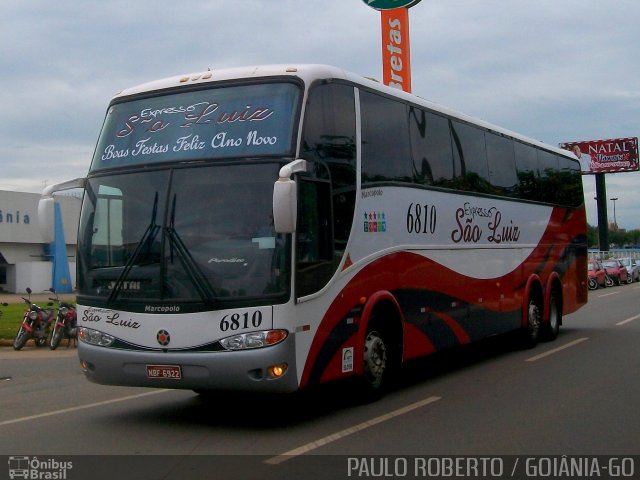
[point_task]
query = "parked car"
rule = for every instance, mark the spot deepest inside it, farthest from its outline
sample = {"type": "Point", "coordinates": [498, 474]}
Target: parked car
{"type": "Point", "coordinates": [633, 269]}
{"type": "Point", "coordinates": [616, 270]}
{"type": "Point", "coordinates": [597, 276]}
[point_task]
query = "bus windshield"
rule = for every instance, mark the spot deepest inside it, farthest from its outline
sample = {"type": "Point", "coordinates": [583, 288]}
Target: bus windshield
{"type": "Point", "coordinates": [202, 234]}
{"type": "Point", "coordinates": [221, 123]}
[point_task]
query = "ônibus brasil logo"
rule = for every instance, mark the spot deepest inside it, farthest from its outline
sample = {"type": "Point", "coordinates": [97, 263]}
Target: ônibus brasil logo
{"type": "Point", "coordinates": [35, 468]}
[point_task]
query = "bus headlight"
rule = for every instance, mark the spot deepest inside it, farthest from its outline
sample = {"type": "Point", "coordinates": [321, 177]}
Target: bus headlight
{"type": "Point", "coordinates": [93, 337]}
{"type": "Point", "coordinates": [261, 339]}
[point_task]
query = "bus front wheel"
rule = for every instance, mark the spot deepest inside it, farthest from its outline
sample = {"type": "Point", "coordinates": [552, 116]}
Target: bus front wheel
{"type": "Point", "coordinates": [376, 363]}
{"type": "Point", "coordinates": [375, 360]}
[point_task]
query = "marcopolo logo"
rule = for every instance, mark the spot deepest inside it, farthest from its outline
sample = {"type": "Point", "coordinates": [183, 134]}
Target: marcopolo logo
{"type": "Point", "coordinates": [38, 469]}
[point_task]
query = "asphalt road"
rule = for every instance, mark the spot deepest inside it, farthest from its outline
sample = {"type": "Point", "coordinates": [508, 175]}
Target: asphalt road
{"type": "Point", "coordinates": [576, 396]}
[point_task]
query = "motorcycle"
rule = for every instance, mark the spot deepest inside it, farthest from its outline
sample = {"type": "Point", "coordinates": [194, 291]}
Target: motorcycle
{"type": "Point", "coordinates": [36, 323]}
{"type": "Point", "coordinates": [66, 322]}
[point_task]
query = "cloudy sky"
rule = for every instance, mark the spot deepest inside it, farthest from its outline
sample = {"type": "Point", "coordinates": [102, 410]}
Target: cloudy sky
{"type": "Point", "coordinates": [554, 70]}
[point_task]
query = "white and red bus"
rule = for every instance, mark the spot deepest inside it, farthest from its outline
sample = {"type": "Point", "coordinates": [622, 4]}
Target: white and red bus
{"type": "Point", "coordinates": [277, 227]}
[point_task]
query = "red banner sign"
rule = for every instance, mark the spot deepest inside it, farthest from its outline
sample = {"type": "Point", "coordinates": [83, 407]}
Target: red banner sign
{"type": "Point", "coordinates": [396, 68]}
{"type": "Point", "coordinates": [606, 156]}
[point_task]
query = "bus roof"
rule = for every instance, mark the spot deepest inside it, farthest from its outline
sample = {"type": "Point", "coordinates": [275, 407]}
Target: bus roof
{"type": "Point", "coordinates": [310, 72]}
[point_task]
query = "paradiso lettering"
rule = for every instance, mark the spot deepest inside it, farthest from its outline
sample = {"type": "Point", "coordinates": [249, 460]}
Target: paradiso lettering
{"type": "Point", "coordinates": [475, 224]}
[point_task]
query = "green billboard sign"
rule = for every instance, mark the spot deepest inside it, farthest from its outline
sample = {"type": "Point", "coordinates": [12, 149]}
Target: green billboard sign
{"type": "Point", "coordinates": [390, 4]}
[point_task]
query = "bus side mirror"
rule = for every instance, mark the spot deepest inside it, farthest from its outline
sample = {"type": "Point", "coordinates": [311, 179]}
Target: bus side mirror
{"type": "Point", "coordinates": [285, 197]}
{"type": "Point", "coordinates": [46, 219]}
{"type": "Point", "coordinates": [46, 215]}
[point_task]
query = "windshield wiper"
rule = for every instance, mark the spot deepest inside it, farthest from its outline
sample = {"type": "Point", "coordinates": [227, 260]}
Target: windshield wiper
{"type": "Point", "coordinates": [145, 241]}
{"type": "Point", "coordinates": [193, 271]}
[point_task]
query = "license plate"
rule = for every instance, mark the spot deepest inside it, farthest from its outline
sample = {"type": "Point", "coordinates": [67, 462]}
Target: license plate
{"type": "Point", "coordinates": [164, 371]}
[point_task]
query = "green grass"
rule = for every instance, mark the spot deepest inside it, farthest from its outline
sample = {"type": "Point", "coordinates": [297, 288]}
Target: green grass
{"type": "Point", "coordinates": [11, 319]}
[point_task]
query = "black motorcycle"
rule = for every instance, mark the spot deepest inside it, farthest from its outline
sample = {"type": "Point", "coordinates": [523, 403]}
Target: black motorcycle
{"type": "Point", "coordinates": [66, 322]}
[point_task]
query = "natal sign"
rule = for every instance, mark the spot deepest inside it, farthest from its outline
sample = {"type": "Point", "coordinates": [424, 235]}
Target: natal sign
{"type": "Point", "coordinates": [390, 4]}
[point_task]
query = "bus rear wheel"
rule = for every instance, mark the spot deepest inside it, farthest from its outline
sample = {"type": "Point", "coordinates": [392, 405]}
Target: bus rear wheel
{"type": "Point", "coordinates": [531, 331]}
{"type": "Point", "coordinates": [551, 328]}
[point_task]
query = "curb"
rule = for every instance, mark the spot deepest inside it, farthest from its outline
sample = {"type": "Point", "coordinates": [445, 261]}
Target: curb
{"type": "Point", "coordinates": [30, 343]}
{"type": "Point", "coordinates": [9, 343]}
{"type": "Point", "coordinates": [4, 343]}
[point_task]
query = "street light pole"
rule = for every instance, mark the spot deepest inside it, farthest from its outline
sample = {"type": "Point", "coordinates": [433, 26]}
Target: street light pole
{"type": "Point", "coordinates": [615, 221]}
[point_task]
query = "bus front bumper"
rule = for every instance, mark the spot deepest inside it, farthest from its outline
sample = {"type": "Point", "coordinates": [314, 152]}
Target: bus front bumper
{"type": "Point", "coordinates": [243, 370]}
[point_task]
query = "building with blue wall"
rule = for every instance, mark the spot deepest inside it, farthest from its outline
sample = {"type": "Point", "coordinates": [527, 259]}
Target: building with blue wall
{"type": "Point", "coordinates": [25, 260]}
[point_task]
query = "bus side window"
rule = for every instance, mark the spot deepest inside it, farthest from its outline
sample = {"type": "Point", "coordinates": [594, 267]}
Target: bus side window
{"type": "Point", "coordinates": [433, 162]}
{"type": "Point", "coordinates": [502, 166]}
{"type": "Point", "coordinates": [471, 152]}
{"type": "Point", "coordinates": [386, 148]}
{"type": "Point", "coordinates": [326, 205]}
{"type": "Point", "coordinates": [315, 264]}
{"type": "Point", "coordinates": [527, 172]}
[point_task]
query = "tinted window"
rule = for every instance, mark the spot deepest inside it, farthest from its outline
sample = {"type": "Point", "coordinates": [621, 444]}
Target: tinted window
{"type": "Point", "coordinates": [329, 138]}
{"type": "Point", "coordinates": [527, 171]}
{"type": "Point", "coordinates": [386, 154]}
{"type": "Point", "coordinates": [572, 193]}
{"type": "Point", "coordinates": [430, 147]}
{"type": "Point", "coordinates": [327, 199]}
{"type": "Point", "coordinates": [194, 235]}
{"type": "Point", "coordinates": [548, 178]}
{"type": "Point", "coordinates": [502, 168]}
{"type": "Point", "coordinates": [470, 148]}
{"type": "Point", "coordinates": [329, 134]}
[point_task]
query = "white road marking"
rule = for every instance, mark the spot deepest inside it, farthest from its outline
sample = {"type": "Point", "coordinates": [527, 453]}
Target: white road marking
{"type": "Point", "coordinates": [608, 294]}
{"type": "Point", "coordinates": [81, 407]}
{"type": "Point", "coordinates": [628, 320]}
{"type": "Point", "coordinates": [556, 350]}
{"type": "Point", "coordinates": [348, 431]}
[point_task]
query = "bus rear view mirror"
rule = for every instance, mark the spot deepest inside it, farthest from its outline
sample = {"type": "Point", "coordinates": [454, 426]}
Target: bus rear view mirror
{"type": "Point", "coordinates": [46, 210]}
{"type": "Point", "coordinates": [46, 219]}
{"type": "Point", "coordinates": [285, 198]}
{"type": "Point", "coordinates": [284, 206]}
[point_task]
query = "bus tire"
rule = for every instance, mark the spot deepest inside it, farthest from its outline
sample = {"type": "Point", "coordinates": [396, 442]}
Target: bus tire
{"type": "Point", "coordinates": [375, 363]}
{"type": "Point", "coordinates": [530, 332]}
{"type": "Point", "coordinates": [551, 328]}
{"type": "Point", "coordinates": [378, 358]}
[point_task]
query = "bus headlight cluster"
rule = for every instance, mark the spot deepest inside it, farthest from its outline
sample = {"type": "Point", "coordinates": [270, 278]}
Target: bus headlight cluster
{"type": "Point", "coordinates": [246, 341]}
{"type": "Point", "coordinates": [93, 337]}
